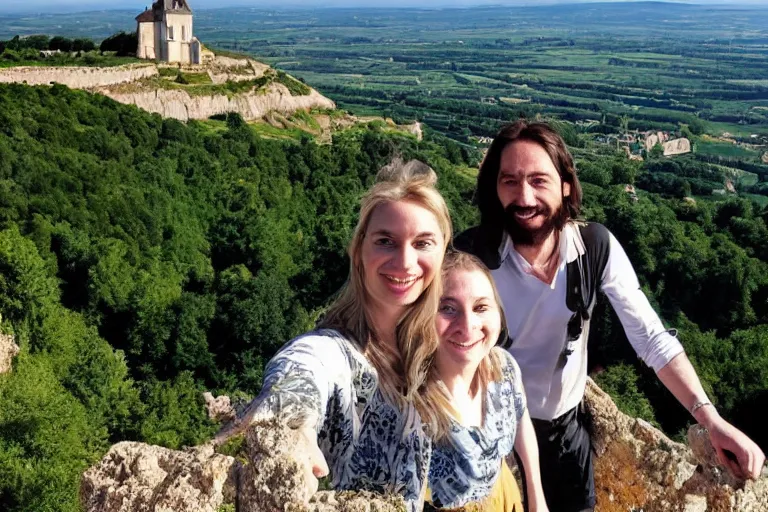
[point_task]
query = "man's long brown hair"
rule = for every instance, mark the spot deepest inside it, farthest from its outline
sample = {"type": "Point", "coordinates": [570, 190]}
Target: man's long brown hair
{"type": "Point", "coordinates": [541, 133]}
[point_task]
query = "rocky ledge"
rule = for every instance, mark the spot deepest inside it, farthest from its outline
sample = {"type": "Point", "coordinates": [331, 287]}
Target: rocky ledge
{"type": "Point", "coordinates": [637, 468]}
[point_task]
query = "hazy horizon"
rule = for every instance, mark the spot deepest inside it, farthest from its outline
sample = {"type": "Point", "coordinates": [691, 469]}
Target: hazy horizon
{"type": "Point", "coordinates": [71, 6]}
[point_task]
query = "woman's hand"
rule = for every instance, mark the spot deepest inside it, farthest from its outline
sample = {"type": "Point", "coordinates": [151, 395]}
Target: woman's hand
{"type": "Point", "coordinates": [527, 449]}
{"type": "Point", "coordinates": [304, 451]}
{"type": "Point", "coordinates": [309, 457]}
{"type": "Point", "coordinates": [538, 504]}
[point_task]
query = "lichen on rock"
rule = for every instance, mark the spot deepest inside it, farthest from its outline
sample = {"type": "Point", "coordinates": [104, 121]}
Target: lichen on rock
{"type": "Point", "coordinates": [637, 467]}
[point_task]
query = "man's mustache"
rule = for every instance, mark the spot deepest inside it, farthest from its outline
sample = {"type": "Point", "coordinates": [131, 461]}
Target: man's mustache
{"type": "Point", "coordinates": [514, 209]}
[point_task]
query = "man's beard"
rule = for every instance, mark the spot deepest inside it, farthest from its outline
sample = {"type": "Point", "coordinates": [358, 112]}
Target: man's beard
{"type": "Point", "coordinates": [522, 236]}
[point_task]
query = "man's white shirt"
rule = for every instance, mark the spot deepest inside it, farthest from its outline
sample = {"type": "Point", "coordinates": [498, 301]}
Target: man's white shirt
{"type": "Point", "coordinates": [537, 319]}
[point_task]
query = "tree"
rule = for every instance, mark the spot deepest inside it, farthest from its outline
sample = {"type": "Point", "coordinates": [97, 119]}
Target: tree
{"type": "Point", "coordinates": [36, 42]}
{"type": "Point", "coordinates": [697, 126]}
{"type": "Point", "coordinates": [595, 173]}
{"type": "Point", "coordinates": [85, 45]}
{"type": "Point", "coordinates": [176, 414]}
{"type": "Point", "coordinates": [620, 381]}
{"type": "Point", "coordinates": [123, 43]}
{"type": "Point", "coordinates": [60, 43]}
{"type": "Point", "coordinates": [624, 123]}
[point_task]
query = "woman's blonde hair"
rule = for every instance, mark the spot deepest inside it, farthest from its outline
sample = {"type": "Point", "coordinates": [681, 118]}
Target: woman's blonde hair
{"type": "Point", "coordinates": [402, 371]}
{"type": "Point", "coordinates": [490, 369]}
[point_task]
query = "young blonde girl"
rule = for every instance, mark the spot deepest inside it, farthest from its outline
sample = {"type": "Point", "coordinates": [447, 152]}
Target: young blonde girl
{"type": "Point", "coordinates": [477, 392]}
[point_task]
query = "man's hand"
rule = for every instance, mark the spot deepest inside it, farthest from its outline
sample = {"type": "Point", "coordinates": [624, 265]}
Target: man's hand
{"type": "Point", "coordinates": [734, 449]}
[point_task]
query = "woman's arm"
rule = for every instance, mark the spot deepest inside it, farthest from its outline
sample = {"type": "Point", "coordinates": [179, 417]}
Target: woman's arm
{"type": "Point", "coordinates": [527, 450]}
{"type": "Point", "coordinates": [298, 382]}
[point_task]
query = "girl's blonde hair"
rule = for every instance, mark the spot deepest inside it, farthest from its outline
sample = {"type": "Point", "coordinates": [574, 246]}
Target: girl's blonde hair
{"type": "Point", "coordinates": [402, 371]}
{"type": "Point", "coordinates": [490, 369]}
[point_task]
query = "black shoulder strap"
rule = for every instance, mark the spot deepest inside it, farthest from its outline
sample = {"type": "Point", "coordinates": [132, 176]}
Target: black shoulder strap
{"type": "Point", "coordinates": [585, 272]}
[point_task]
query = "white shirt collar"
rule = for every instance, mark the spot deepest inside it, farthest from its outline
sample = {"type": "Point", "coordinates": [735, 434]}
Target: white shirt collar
{"type": "Point", "coordinates": [571, 245]}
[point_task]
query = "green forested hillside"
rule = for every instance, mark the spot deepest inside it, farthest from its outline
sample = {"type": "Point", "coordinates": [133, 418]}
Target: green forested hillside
{"type": "Point", "coordinates": [143, 261]}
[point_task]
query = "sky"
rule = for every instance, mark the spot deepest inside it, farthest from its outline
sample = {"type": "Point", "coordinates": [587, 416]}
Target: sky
{"type": "Point", "coordinates": [37, 6]}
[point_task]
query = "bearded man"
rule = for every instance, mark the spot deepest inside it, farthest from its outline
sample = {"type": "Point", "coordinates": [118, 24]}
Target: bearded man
{"type": "Point", "coordinates": [547, 266]}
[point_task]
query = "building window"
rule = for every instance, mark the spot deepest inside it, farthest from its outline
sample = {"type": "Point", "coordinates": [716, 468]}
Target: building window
{"type": "Point", "coordinates": [170, 33]}
{"type": "Point", "coordinates": [183, 32]}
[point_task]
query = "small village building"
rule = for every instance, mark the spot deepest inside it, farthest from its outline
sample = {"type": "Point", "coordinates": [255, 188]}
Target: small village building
{"type": "Point", "coordinates": [165, 33]}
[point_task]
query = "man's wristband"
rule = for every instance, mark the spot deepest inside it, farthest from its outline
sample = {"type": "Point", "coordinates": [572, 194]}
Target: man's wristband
{"type": "Point", "coordinates": [698, 405]}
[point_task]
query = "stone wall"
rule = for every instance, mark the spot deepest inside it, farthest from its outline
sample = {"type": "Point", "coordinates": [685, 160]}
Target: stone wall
{"type": "Point", "coordinates": [77, 77]}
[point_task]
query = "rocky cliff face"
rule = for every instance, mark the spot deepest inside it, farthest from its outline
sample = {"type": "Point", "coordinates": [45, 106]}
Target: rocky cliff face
{"type": "Point", "coordinates": [262, 477]}
{"type": "Point", "coordinates": [129, 84]}
{"type": "Point", "coordinates": [637, 468]}
{"type": "Point", "coordinates": [180, 105]}
{"type": "Point", "coordinates": [135, 477]}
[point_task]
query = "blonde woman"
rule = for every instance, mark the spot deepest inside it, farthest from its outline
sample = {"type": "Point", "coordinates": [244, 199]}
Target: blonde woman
{"type": "Point", "coordinates": [352, 385]}
{"type": "Point", "coordinates": [477, 389]}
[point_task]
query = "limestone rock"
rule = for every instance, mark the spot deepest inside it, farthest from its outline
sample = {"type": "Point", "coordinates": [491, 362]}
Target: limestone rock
{"type": "Point", "coordinates": [695, 503]}
{"type": "Point", "coordinates": [358, 501]}
{"type": "Point", "coordinates": [273, 477]}
{"type": "Point", "coordinates": [135, 477]}
{"type": "Point", "coordinates": [178, 104]}
{"type": "Point", "coordinates": [639, 468]}
{"type": "Point", "coordinates": [8, 350]}
{"type": "Point", "coordinates": [264, 475]}
{"type": "Point", "coordinates": [127, 84]}
{"type": "Point", "coordinates": [415, 129]}
{"type": "Point", "coordinates": [222, 69]}
{"type": "Point", "coordinates": [698, 440]}
{"type": "Point", "coordinates": [219, 408]}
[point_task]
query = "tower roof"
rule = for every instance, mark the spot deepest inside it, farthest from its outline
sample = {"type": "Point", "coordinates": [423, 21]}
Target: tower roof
{"type": "Point", "coordinates": [146, 16]}
{"type": "Point", "coordinates": [155, 13]}
{"type": "Point", "coordinates": [175, 6]}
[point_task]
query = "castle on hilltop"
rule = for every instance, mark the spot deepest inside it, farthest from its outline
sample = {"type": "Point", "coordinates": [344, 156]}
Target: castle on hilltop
{"type": "Point", "coordinates": [165, 33]}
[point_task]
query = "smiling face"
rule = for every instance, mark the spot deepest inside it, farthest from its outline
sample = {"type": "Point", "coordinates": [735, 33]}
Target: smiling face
{"type": "Point", "coordinates": [531, 191]}
{"type": "Point", "coordinates": [401, 253]}
{"type": "Point", "coordinates": [468, 321]}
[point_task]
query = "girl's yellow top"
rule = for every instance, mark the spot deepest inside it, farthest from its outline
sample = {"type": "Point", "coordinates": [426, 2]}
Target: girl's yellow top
{"type": "Point", "coordinates": [505, 495]}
